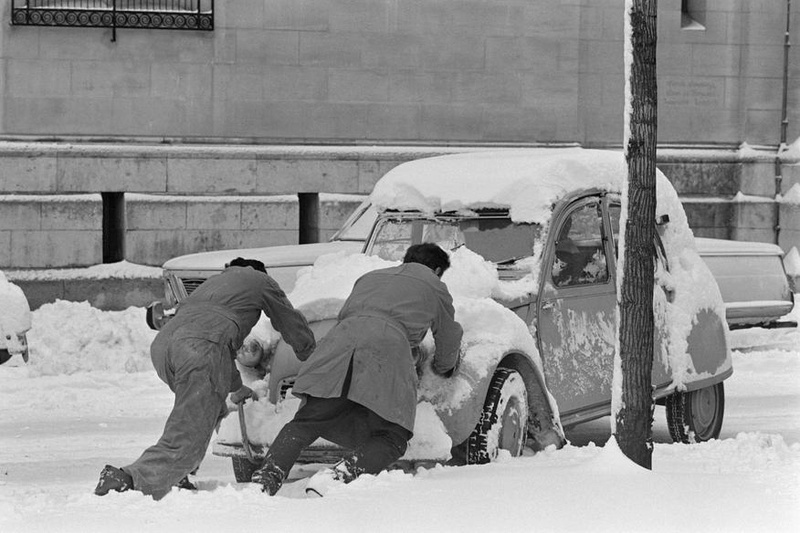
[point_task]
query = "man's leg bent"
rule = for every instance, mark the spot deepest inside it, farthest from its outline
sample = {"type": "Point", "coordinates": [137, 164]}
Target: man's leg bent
{"type": "Point", "coordinates": [311, 421]}
{"type": "Point", "coordinates": [385, 443]}
{"type": "Point", "coordinates": [187, 432]}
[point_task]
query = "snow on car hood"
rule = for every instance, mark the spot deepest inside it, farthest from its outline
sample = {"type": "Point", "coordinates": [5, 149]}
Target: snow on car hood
{"type": "Point", "coordinates": [271, 256]}
{"type": "Point", "coordinates": [15, 315]}
{"type": "Point", "coordinates": [490, 332]}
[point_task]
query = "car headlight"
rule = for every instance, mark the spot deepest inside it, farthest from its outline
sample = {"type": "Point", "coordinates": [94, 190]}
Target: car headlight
{"type": "Point", "coordinates": [255, 354]}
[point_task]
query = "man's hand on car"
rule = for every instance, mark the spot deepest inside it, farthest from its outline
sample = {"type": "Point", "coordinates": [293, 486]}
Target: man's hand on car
{"type": "Point", "coordinates": [452, 371]}
{"type": "Point", "coordinates": [241, 395]}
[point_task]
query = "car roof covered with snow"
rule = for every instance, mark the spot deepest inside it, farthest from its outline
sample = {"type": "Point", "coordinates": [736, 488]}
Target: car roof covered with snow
{"type": "Point", "coordinates": [527, 182]}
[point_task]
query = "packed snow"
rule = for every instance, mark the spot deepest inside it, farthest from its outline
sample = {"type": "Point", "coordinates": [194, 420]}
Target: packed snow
{"type": "Point", "coordinates": [89, 397]}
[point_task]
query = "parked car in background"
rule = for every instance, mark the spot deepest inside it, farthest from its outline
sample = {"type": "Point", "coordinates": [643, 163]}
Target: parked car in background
{"type": "Point", "coordinates": [533, 236]}
{"type": "Point", "coordinates": [753, 282]}
{"type": "Point", "coordinates": [15, 321]}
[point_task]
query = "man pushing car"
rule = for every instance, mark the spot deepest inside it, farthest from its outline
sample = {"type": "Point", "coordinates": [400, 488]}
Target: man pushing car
{"type": "Point", "coordinates": [359, 387]}
{"type": "Point", "coordinates": [194, 353]}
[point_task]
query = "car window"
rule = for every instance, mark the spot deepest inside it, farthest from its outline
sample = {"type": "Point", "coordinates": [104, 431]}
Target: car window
{"type": "Point", "coordinates": [358, 226]}
{"type": "Point", "coordinates": [580, 257]}
{"type": "Point", "coordinates": [614, 211]}
{"type": "Point", "coordinates": [496, 239]}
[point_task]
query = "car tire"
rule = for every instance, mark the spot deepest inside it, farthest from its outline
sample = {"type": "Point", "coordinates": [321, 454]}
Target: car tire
{"type": "Point", "coordinates": [4, 356]}
{"type": "Point", "coordinates": [696, 416]}
{"type": "Point", "coordinates": [243, 469]}
{"type": "Point", "coordinates": [503, 424]}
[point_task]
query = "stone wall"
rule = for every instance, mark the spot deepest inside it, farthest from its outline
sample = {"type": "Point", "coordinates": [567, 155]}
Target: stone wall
{"type": "Point", "coordinates": [217, 197]}
{"type": "Point", "coordinates": [421, 71]}
{"type": "Point", "coordinates": [61, 231]}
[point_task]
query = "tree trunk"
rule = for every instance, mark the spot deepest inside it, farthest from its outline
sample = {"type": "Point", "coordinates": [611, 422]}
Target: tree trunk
{"type": "Point", "coordinates": [636, 322]}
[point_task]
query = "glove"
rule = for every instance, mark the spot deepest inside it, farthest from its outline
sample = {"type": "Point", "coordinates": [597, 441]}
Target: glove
{"type": "Point", "coordinates": [242, 395]}
{"type": "Point", "coordinates": [449, 373]}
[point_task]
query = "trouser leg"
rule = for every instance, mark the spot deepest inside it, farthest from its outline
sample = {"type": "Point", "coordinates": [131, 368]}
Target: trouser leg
{"type": "Point", "coordinates": [186, 435]}
{"type": "Point", "coordinates": [382, 444]}
{"type": "Point", "coordinates": [312, 420]}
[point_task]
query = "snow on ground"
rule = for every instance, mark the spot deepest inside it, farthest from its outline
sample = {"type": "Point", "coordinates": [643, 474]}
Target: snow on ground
{"type": "Point", "coordinates": [89, 397]}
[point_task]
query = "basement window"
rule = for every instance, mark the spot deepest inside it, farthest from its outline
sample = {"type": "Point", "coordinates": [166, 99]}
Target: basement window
{"type": "Point", "coordinates": [693, 14]}
{"type": "Point", "coordinates": [150, 14]}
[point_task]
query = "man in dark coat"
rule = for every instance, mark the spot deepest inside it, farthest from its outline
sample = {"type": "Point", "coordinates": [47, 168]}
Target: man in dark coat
{"type": "Point", "coordinates": [359, 387]}
{"type": "Point", "coordinates": [194, 353]}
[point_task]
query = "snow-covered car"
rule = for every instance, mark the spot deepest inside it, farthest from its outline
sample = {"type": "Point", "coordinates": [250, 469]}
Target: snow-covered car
{"type": "Point", "coordinates": [15, 321]}
{"type": "Point", "coordinates": [533, 239]}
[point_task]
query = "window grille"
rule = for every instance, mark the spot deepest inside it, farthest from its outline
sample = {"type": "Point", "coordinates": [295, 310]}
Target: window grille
{"type": "Point", "coordinates": [152, 14]}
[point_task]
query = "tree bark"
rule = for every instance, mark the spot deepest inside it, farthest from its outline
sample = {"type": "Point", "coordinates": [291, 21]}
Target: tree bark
{"type": "Point", "coordinates": [636, 326]}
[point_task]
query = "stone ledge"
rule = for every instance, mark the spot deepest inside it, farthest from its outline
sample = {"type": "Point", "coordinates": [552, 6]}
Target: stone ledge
{"type": "Point", "coordinates": [111, 294]}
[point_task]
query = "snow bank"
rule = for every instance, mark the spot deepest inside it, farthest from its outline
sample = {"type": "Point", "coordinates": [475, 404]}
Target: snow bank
{"type": "Point", "coordinates": [117, 341]}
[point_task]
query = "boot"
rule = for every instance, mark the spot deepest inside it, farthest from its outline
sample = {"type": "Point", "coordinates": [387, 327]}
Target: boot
{"type": "Point", "coordinates": [270, 477]}
{"type": "Point", "coordinates": [341, 473]}
{"type": "Point", "coordinates": [112, 478]}
{"type": "Point", "coordinates": [186, 484]}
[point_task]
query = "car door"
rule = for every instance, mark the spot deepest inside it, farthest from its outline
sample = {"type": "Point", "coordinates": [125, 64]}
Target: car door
{"type": "Point", "coordinates": [661, 370]}
{"type": "Point", "coordinates": [577, 310]}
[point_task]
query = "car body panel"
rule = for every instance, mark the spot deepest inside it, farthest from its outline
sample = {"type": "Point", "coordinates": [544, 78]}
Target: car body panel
{"type": "Point", "coordinates": [15, 321]}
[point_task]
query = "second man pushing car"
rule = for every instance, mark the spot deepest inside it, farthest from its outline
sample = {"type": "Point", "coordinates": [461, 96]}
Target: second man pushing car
{"type": "Point", "coordinates": [359, 387]}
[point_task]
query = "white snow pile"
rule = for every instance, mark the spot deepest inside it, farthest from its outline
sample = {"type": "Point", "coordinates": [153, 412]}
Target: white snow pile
{"type": "Point", "coordinates": [98, 340]}
{"type": "Point", "coordinates": [119, 270]}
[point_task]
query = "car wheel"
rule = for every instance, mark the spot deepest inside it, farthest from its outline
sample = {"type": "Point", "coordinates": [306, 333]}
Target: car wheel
{"type": "Point", "coordinates": [243, 469]}
{"type": "Point", "coordinates": [696, 416]}
{"type": "Point", "coordinates": [504, 420]}
{"type": "Point", "coordinates": [4, 356]}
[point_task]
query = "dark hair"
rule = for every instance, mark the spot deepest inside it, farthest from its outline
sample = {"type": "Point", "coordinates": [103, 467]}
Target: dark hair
{"type": "Point", "coordinates": [428, 254]}
{"type": "Point", "coordinates": [252, 263]}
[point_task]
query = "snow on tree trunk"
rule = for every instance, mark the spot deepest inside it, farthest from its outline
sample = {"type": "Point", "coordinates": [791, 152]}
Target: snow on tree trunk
{"type": "Point", "coordinates": [632, 404]}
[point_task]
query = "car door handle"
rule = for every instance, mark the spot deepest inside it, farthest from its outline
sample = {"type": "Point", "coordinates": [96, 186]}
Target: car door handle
{"type": "Point", "coordinates": [547, 305]}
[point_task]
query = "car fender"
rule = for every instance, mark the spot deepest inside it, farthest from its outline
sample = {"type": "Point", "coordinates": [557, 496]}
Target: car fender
{"type": "Point", "coordinates": [459, 400]}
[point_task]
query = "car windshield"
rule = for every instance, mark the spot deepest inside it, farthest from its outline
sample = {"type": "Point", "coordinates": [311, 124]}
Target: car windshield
{"type": "Point", "coordinates": [358, 226]}
{"type": "Point", "coordinates": [495, 238]}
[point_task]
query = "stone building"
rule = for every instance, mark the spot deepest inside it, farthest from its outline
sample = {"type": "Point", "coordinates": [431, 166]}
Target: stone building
{"type": "Point", "coordinates": [202, 138]}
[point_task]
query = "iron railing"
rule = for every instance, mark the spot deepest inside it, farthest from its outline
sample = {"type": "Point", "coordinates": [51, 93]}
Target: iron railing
{"type": "Point", "coordinates": [152, 14]}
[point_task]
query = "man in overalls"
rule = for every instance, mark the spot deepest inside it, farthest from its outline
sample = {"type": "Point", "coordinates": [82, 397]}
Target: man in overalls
{"type": "Point", "coordinates": [194, 353]}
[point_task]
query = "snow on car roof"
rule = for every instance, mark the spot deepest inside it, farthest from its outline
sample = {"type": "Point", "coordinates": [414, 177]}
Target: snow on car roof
{"type": "Point", "coordinates": [525, 181]}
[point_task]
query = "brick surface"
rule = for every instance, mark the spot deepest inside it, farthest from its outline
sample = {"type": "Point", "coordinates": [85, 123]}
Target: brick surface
{"type": "Point", "coordinates": [214, 215]}
{"type": "Point", "coordinates": [270, 216]}
{"type": "Point", "coordinates": [101, 174]}
{"type": "Point", "coordinates": [5, 248]}
{"type": "Point", "coordinates": [55, 249]}
{"type": "Point", "coordinates": [15, 215]}
{"type": "Point", "coordinates": [229, 176]}
{"type": "Point", "coordinates": [280, 176]}
{"type": "Point", "coordinates": [72, 215]}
